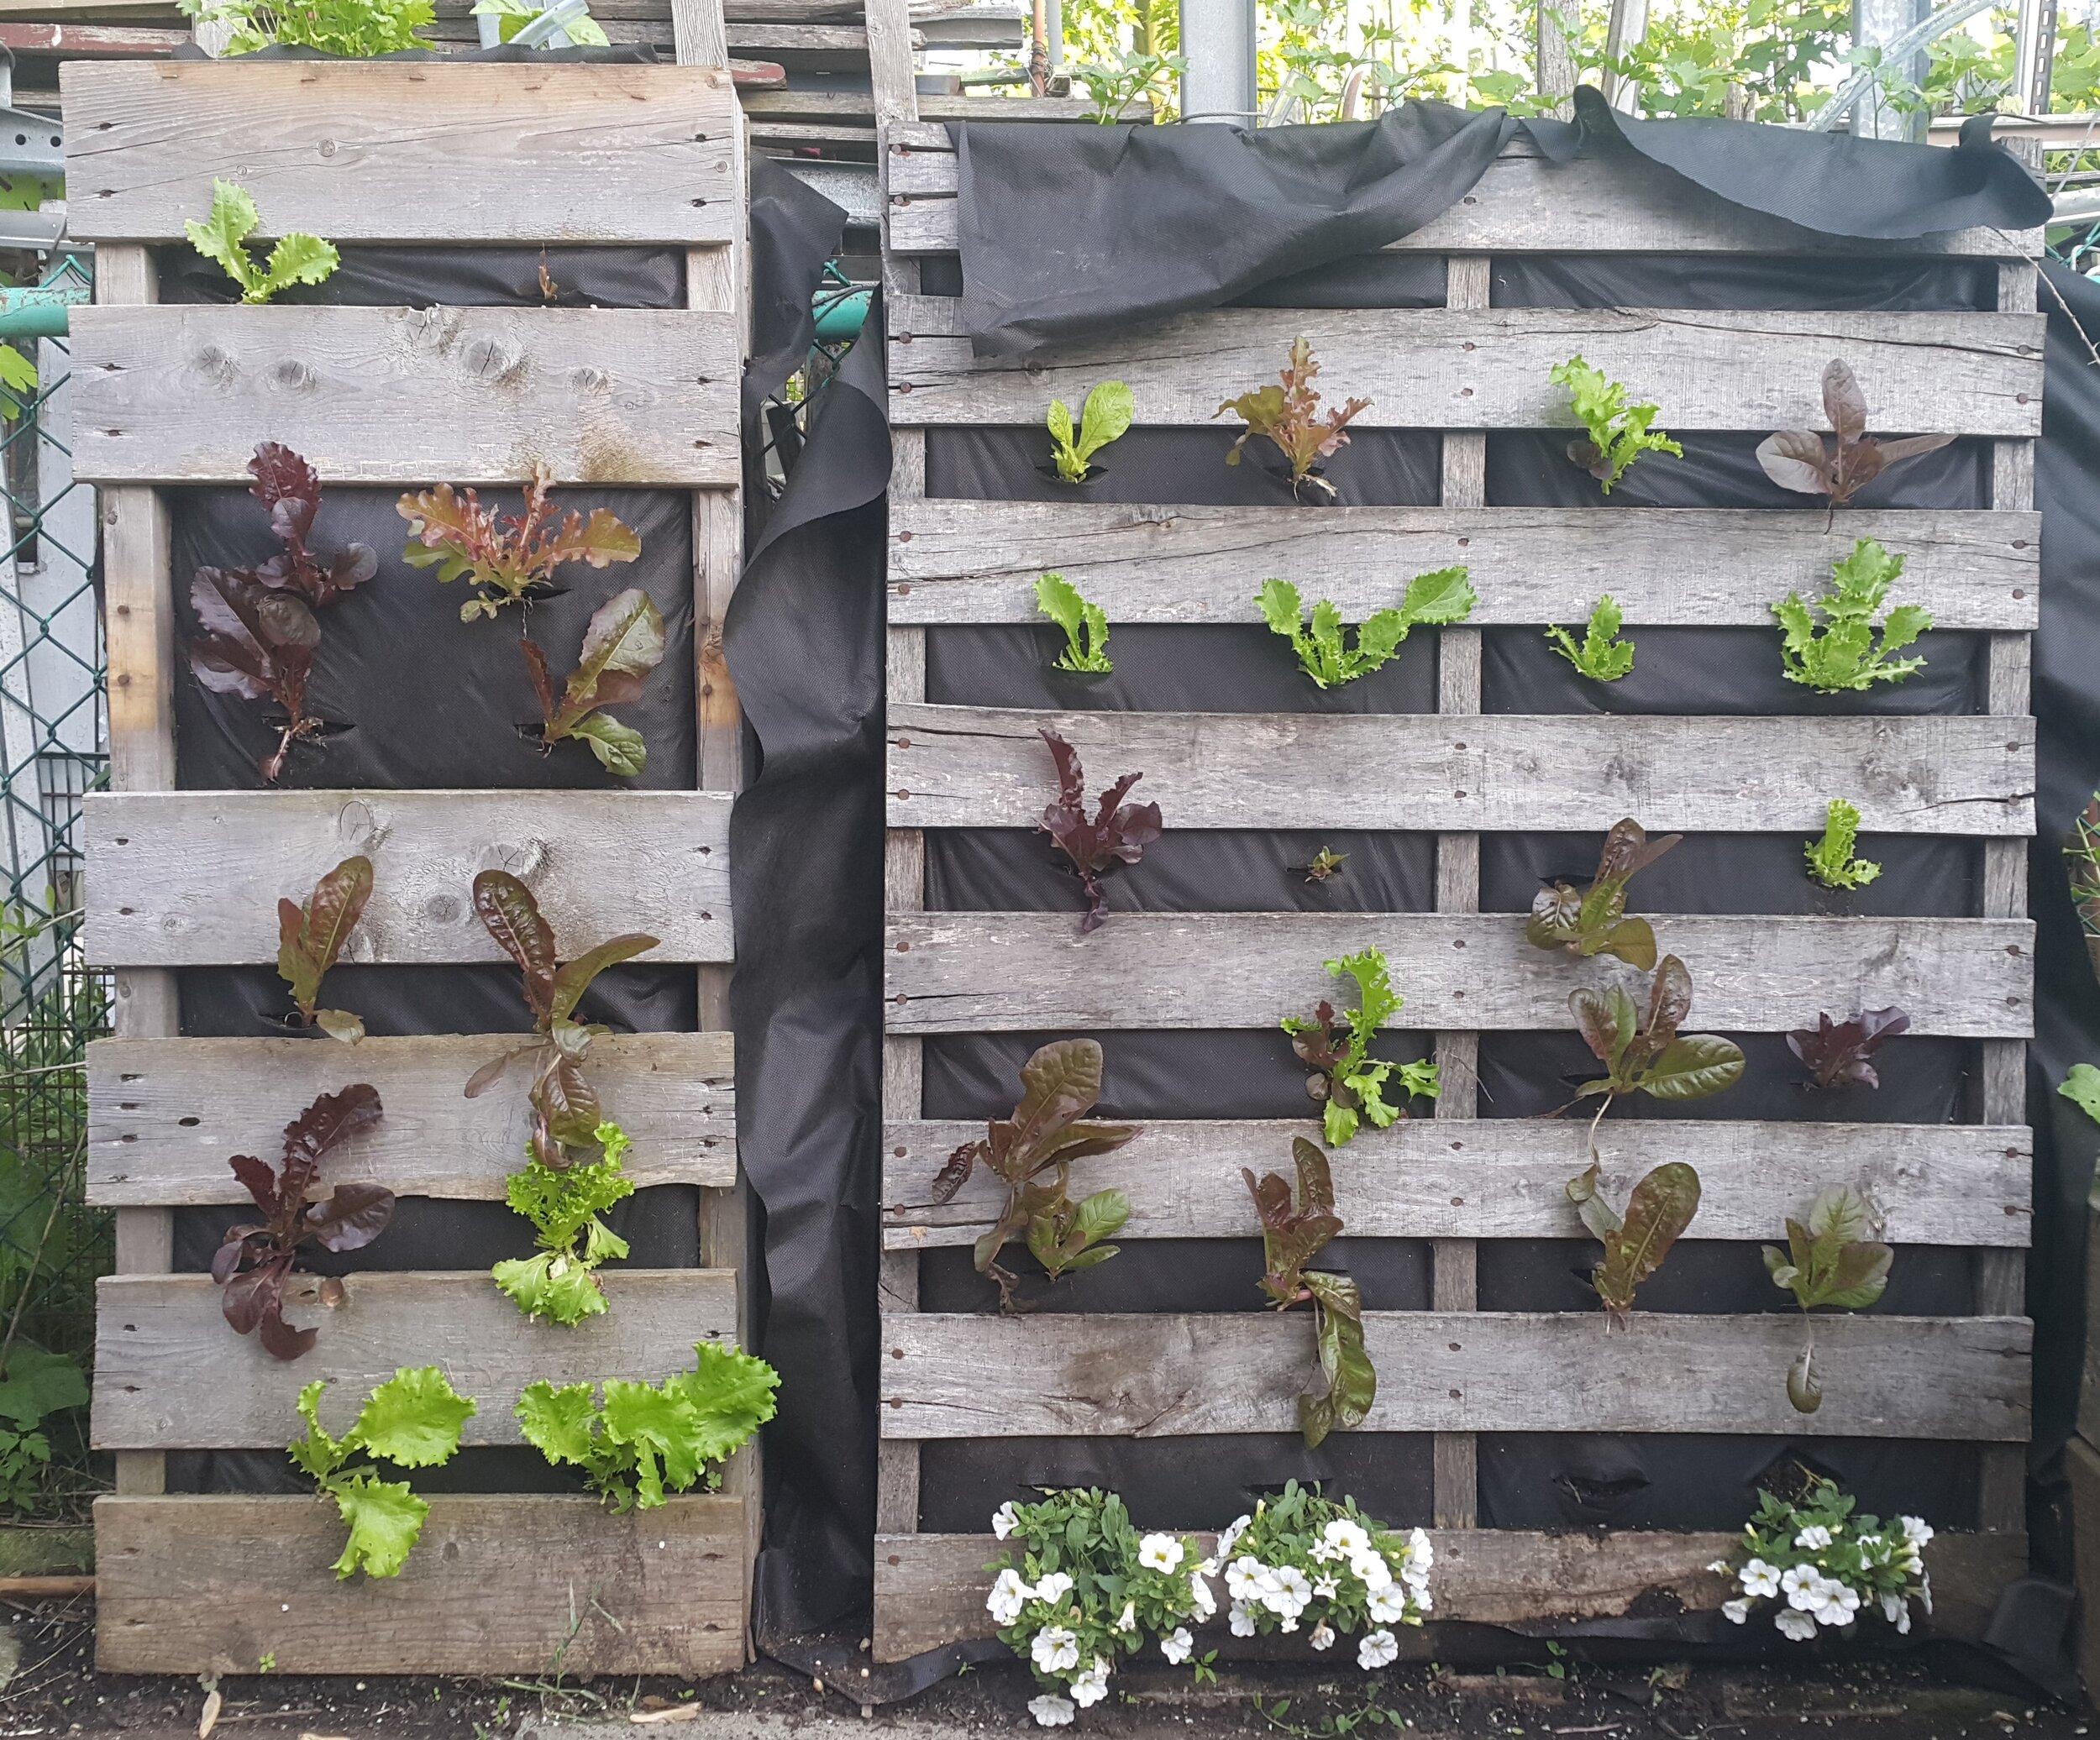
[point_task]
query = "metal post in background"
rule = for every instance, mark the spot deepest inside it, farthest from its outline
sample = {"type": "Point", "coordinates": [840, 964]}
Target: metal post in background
{"type": "Point", "coordinates": [1879, 23]}
{"type": "Point", "coordinates": [1217, 40]}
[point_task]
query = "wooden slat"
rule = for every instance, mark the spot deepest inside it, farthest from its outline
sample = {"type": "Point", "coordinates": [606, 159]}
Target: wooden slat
{"type": "Point", "coordinates": [193, 878]}
{"type": "Point", "coordinates": [833, 106]}
{"type": "Point", "coordinates": [181, 395]}
{"type": "Point", "coordinates": [984, 972]}
{"type": "Point", "coordinates": [1616, 204]}
{"type": "Point", "coordinates": [170, 1375]}
{"type": "Point", "coordinates": [1489, 369]}
{"type": "Point", "coordinates": [957, 562]}
{"type": "Point", "coordinates": [370, 151]}
{"type": "Point", "coordinates": [1505, 1178]}
{"type": "Point", "coordinates": [984, 768]}
{"type": "Point", "coordinates": [930, 1588]}
{"type": "Point", "coordinates": [163, 1114]}
{"type": "Point", "coordinates": [1173, 1375]}
{"type": "Point", "coordinates": [495, 1584]}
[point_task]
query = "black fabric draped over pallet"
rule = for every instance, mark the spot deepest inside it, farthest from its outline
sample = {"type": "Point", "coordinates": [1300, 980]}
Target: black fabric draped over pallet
{"type": "Point", "coordinates": [1072, 230]}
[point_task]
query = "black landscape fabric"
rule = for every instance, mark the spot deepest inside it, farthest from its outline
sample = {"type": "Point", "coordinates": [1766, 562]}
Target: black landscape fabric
{"type": "Point", "coordinates": [1078, 230]}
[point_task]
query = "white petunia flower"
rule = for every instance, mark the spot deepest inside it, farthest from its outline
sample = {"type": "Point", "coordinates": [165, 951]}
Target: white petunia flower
{"type": "Point", "coordinates": [1836, 1603]}
{"type": "Point", "coordinates": [1090, 1687]}
{"type": "Point", "coordinates": [1719, 1564]}
{"type": "Point", "coordinates": [1009, 1593]}
{"type": "Point", "coordinates": [1126, 1621]}
{"type": "Point", "coordinates": [1322, 1553]}
{"type": "Point", "coordinates": [1050, 1711]}
{"type": "Point", "coordinates": [1423, 1601]}
{"type": "Point", "coordinates": [1348, 1536]}
{"type": "Point", "coordinates": [1242, 1617]}
{"type": "Point", "coordinates": [1200, 1596]}
{"type": "Point", "coordinates": [1902, 1621]}
{"type": "Point", "coordinates": [1372, 1568]}
{"type": "Point", "coordinates": [1323, 1635]}
{"type": "Point", "coordinates": [1795, 1625]}
{"type": "Point", "coordinates": [1159, 1552]}
{"type": "Point", "coordinates": [1813, 1538]}
{"type": "Point", "coordinates": [1176, 1645]}
{"type": "Point", "coordinates": [1758, 1578]}
{"type": "Point", "coordinates": [1006, 1520]}
{"type": "Point", "coordinates": [1230, 1538]}
{"type": "Point", "coordinates": [1243, 1579]}
{"type": "Point", "coordinates": [1893, 1607]}
{"type": "Point", "coordinates": [1286, 1591]}
{"type": "Point", "coordinates": [1735, 1612]}
{"type": "Point", "coordinates": [1053, 1588]}
{"type": "Point", "coordinates": [1418, 1550]}
{"type": "Point", "coordinates": [1324, 1588]}
{"type": "Point", "coordinates": [1925, 1593]}
{"type": "Point", "coordinates": [1056, 1649]}
{"type": "Point", "coordinates": [1916, 1529]}
{"type": "Point", "coordinates": [1388, 1604]}
{"type": "Point", "coordinates": [1289, 1622]}
{"type": "Point", "coordinates": [1801, 1582]}
{"type": "Point", "coordinates": [1375, 1649]}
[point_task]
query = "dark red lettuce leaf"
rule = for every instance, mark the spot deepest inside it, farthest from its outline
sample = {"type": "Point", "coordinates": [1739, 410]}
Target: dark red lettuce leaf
{"type": "Point", "coordinates": [1840, 1054]}
{"type": "Point", "coordinates": [1117, 833]}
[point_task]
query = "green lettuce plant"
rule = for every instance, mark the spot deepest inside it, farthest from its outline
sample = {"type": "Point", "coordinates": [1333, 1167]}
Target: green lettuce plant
{"type": "Point", "coordinates": [413, 1420]}
{"type": "Point", "coordinates": [1446, 596]}
{"type": "Point", "coordinates": [1085, 627]}
{"type": "Point", "coordinates": [1104, 417]}
{"type": "Point", "coordinates": [1618, 432]}
{"type": "Point", "coordinates": [1601, 655]}
{"type": "Point", "coordinates": [1832, 1261]}
{"type": "Point", "coordinates": [1348, 1086]}
{"type": "Point", "coordinates": [1840, 654]}
{"type": "Point", "coordinates": [1830, 860]}
{"type": "Point", "coordinates": [223, 238]}
{"type": "Point", "coordinates": [559, 1283]}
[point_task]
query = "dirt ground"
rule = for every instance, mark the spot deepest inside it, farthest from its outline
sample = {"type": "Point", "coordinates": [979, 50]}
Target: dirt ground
{"type": "Point", "coordinates": [49, 1687]}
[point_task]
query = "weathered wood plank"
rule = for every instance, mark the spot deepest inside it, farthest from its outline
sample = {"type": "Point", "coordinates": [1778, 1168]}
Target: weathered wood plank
{"type": "Point", "coordinates": [1505, 1177]}
{"type": "Point", "coordinates": [987, 767]}
{"type": "Point", "coordinates": [170, 1375]}
{"type": "Point", "coordinates": [1173, 1375]}
{"type": "Point", "coordinates": [955, 562]}
{"type": "Point", "coordinates": [1489, 369]}
{"type": "Point", "coordinates": [930, 1588]}
{"type": "Point", "coordinates": [193, 878]}
{"type": "Point", "coordinates": [181, 395]}
{"type": "Point", "coordinates": [370, 151]}
{"type": "Point", "coordinates": [1616, 204]}
{"type": "Point", "coordinates": [495, 1585]}
{"type": "Point", "coordinates": [982, 972]}
{"type": "Point", "coordinates": [163, 1114]}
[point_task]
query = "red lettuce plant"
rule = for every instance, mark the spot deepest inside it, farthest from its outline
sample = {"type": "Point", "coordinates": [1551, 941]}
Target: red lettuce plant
{"type": "Point", "coordinates": [252, 1264]}
{"type": "Point", "coordinates": [1797, 460]}
{"type": "Point", "coordinates": [506, 558]}
{"type": "Point", "coordinates": [1287, 413]}
{"type": "Point", "coordinates": [1296, 1229]}
{"type": "Point", "coordinates": [623, 643]}
{"type": "Point", "coordinates": [1840, 1054]}
{"type": "Point", "coordinates": [1593, 921]}
{"type": "Point", "coordinates": [1117, 833]}
{"type": "Point", "coordinates": [310, 939]}
{"type": "Point", "coordinates": [1657, 1212]}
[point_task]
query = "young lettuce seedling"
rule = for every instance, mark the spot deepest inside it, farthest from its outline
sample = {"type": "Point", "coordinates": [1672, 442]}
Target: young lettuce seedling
{"type": "Point", "coordinates": [622, 644]}
{"type": "Point", "coordinates": [1287, 414]}
{"type": "Point", "coordinates": [1618, 432]}
{"type": "Point", "coordinates": [565, 1110]}
{"type": "Point", "coordinates": [1296, 1229]}
{"type": "Point", "coordinates": [1446, 595]}
{"type": "Point", "coordinates": [1085, 627]}
{"type": "Point", "coordinates": [1593, 921]}
{"type": "Point", "coordinates": [251, 1266]}
{"type": "Point", "coordinates": [1657, 1212]}
{"type": "Point", "coordinates": [506, 558]}
{"type": "Point", "coordinates": [1830, 860]}
{"type": "Point", "coordinates": [646, 1440]}
{"type": "Point", "coordinates": [1117, 833]}
{"type": "Point", "coordinates": [558, 1284]}
{"type": "Point", "coordinates": [1650, 1056]}
{"type": "Point", "coordinates": [1840, 1054]}
{"type": "Point", "coordinates": [413, 1420]}
{"type": "Point", "coordinates": [223, 238]}
{"type": "Point", "coordinates": [1032, 1153]}
{"type": "Point", "coordinates": [1326, 864]}
{"type": "Point", "coordinates": [1104, 417]}
{"type": "Point", "coordinates": [310, 941]}
{"type": "Point", "coordinates": [1797, 460]}
{"type": "Point", "coordinates": [1347, 1085]}
{"type": "Point", "coordinates": [1602, 657]}
{"type": "Point", "coordinates": [1838, 654]}
{"type": "Point", "coordinates": [1832, 1262]}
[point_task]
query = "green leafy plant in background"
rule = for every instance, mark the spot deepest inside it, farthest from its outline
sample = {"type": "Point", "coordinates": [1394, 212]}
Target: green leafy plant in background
{"type": "Point", "coordinates": [1657, 1212]}
{"type": "Point", "coordinates": [1601, 655]}
{"type": "Point", "coordinates": [1085, 627]}
{"type": "Point", "coordinates": [1348, 1086]}
{"type": "Point", "coordinates": [18, 383]}
{"type": "Point", "coordinates": [413, 1420]}
{"type": "Point", "coordinates": [584, 31]}
{"type": "Point", "coordinates": [622, 643]}
{"type": "Point", "coordinates": [2082, 849]}
{"type": "Point", "coordinates": [559, 1283]}
{"type": "Point", "coordinates": [1446, 595]}
{"type": "Point", "coordinates": [644, 1441]}
{"type": "Point", "coordinates": [2081, 1087]}
{"type": "Point", "coordinates": [1830, 860]}
{"type": "Point", "coordinates": [35, 1385]}
{"type": "Point", "coordinates": [353, 29]}
{"type": "Point", "coordinates": [1287, 414]}
{"type": "Point", "coordinates": [1326, 864]}
{"type": "Point", "coordinates": [223, 238]}
{"type": "Point", "coordinates": [1618, 432]}
{"type": "Point", "coordinates": [1591, 919]}
{"type": "Point", "coordinates": [1105, 416]}
{"type": "Point", "coordinates": [310, 939]}
{"type": "Point", "coordinates": [1839, 653]}
{"type": "Point", "coordinates": [1296, 1227]}
{"type": "Point", "coordinates": [1648, 1056]}
{"type": "Point", "coordinates": [1131, 76]}
{"type": "Point", "coordinates": [1832, 1260]}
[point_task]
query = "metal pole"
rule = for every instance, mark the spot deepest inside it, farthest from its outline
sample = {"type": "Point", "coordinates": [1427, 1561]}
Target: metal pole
{"type": "Point", "coordinates": [1878, 23]}
{"type": "Point", "coordinates": [1217, 38]}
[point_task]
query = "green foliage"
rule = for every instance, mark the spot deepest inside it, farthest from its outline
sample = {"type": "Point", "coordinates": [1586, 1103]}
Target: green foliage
{"type": "Point", "coordinates": [1822, 1564]}
{"type": "Point", "coordinates": [1348, 1085]}
{"type": "Point", "coordinates": [2082, 849]}
{"type": "Point", "coordinates": [1085, 625]}
{"type": "Point", "coordinates": [645, 1440]}
{"type": "Point", "coordinates": [1830, 860]}
{"type": "Point", "coordinates": [223, 237]}
{"type": "Point", "coordinates": [1657, 1212]}
{"type": "Point", "coordinates": [1131, 76]}
{"type": "Point", "coordinates": [2081, 1087]}
{"type": "Point", "coordinates": [558, 1284]}
{"type": "Point", "coordinates": [1618, 432]}
{"type": "Point", "coordinates": [17, 382]}
{"type": "Point", "coordinates": [1602, 657]}
{"type": "Point", "coordinates": [35, 1385]}
{"type": "Point", "coordinates": [353, 29]}
{"type": "Point", "coordinates": [413, 1420]}
{"type": "Point", "coordinates": [1106, 415]}
{"type": "Point", "coordinates": [1833, 1260]}
{"type": "Point", "coordinates": [1840, 654]}
{"type": "Point", "coordinates": [585, 32]}
{"type": "Point", "coordinates": [1446, 595]}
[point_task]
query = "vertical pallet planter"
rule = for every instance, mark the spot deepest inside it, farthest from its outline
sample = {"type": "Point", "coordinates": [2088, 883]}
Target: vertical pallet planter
{"type": "Point", "coordinates": [1453, 1371]}
{"type": "Point", "coordinates": [373, 153]}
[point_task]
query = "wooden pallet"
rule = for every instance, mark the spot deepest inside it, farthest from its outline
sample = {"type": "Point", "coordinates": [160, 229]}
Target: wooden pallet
{"type": "Point", "coordinates": [1463, 369]}
{"type": "Point", "coordinates": [368, 153]}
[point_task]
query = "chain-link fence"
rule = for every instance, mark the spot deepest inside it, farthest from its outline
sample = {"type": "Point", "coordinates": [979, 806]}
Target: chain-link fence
{"type": "Point", "coordinates": [53, 748]}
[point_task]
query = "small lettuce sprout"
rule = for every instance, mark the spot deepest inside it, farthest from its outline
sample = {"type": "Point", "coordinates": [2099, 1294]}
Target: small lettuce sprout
{"type": "Point", "coordinates": [1446, 595]}
{"type": "Point", "coordinates": [1618, 432]}
{"type": "Point", "coordinates": [1085, 627]}
{"type": "Point", "coordinates": [223, 238]}
{"type": "Point", "coordinates": [1106, 416]}
{"type": "Point", "coordinates": [1602, 657]}
{"type": "Point", "coordinates": [1830, 860]}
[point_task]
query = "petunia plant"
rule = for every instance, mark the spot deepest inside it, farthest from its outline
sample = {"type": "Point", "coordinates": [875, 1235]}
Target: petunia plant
{"type": "Point", "coordinates": [1303, 1562]}
{"type": "Point", "coordinates": [1823, 1564]}
{"type": "Point", "coordinates": [1347, 1085]}
{"type": "Point", "coordinates": [1833, 1260]}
